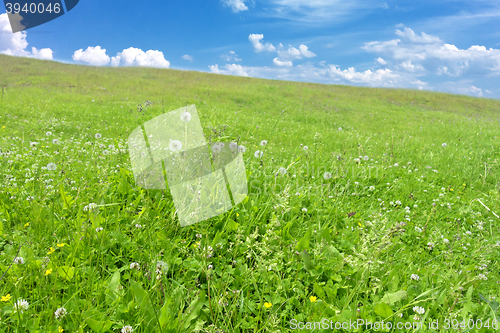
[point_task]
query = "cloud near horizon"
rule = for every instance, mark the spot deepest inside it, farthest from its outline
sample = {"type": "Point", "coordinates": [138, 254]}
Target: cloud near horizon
{"type": "Point", "coordinates": [96, 56]}
{"type": "Point", "coordinates": [15, 44]}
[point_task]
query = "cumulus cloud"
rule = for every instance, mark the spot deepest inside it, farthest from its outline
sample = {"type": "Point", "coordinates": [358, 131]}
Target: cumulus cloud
{"type": "Point", "coordinates": [381, 61]}
{"type": "Point", "coordinates": [235, 5]}
{"type": "Point", "coordinates": [408, 66]}
{"type": "Point", "coordinates": [282, 63]}
{"type": "Point", "coordinates": [432, 54]}
{"type": "Point", "coordinates": [15, 44]}
{"type": "Point", "coordinates": [383, 76]}
{"type": "Point", "coordinates": [258, 46]}
{"type": "Point", "coordinates": [94, 56]}
{"type": "Point", "coordinates": [231, 56]}
{"type": "Point", "coordinates": [187, 57]}
{"type": "Point", "coordinates": [230, 69]}
{"type": "Point", "coordinates": [137, 57]}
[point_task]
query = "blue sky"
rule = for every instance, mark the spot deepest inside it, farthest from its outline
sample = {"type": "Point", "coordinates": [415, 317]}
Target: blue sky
{"type": "Point", "coordinates": [448, 45]}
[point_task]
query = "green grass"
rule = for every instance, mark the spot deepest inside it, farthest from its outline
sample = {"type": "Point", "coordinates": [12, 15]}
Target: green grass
{"type": "Point", "coordinates": [300, 248]}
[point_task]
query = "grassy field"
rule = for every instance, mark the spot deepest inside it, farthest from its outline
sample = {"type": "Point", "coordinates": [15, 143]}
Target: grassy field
{"type": "Point", "coordinates": [405, 230]}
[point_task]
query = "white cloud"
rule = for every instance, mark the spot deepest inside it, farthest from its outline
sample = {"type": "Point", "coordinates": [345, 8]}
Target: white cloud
{"type": "Point", "coordinates": [408, 66]}
{"type": "Point", "coordinates": [231, 56]}
{"type": "Point", "coordinates": [410, 35]}
{"type": "Point", "coordinates": [381, 76]}
{"type": "Point", "coordinates": [137, 57]}
{"type": "Point", "coordinates": [187, 57]}
{"type": "Point", "coordinates": [94, 56]}
{"type": "Point", "coordinates": [258, 46]}
{"type": "Point", "coordinates": [15, 44]}
{"type": "Point", "coordinates": [230, 69]}
{"type": "Point", "coordinates": [384, 5]}
{"type": "Point", "coordinates": [430, 53]}
{"type": "Point", "coordinates": [282, 63]}
{"type": "Point", "coordinates": [381, 61]}
{"type": "Point", "coordinates": [236, 5]}
{"type": "Point", "coordinates": [305, 52]}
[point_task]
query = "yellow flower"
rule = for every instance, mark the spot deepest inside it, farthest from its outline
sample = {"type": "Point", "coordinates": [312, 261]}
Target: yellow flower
{"type": "Point", "coordinates": [61, 245]}
{"type": "Point", "coordinates": [237, 214]}
{"type": "Point", "coordinates": [313, 299]}
{"type": "Point", "coordinates": [49, 271]}
{"type": "Point", "coordinates": [451, 189]}
{"type": "Point", "coordinates": [60, 329]}
{"type": "Point", "coordinates": [267, 305]}
{"type": "Point", "coordinates": [26, 225]}
{"type": "Point", "coordinates": [51, 250]}
{"type": "Point", "coordinates": [6, 298]}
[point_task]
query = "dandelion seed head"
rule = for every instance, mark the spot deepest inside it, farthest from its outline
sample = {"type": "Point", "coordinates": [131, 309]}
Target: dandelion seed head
{"type": "Point", "coordinates": [186, 116]}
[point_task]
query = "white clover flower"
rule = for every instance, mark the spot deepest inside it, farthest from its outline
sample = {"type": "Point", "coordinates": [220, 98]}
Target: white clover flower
{"type": "Point", "coordinates": [21, 305]}
{"type": "Point", "coordinates": [468, 232]}
{"type": "Point", "coordinates": [372, 188]}
{"type": "Point", "coordinates": [127, 329]}
{"type": "Point", "coordinates": [175, 145]}
{"type": "Point", "coordinates": [48, 133]}
{"type": "Point", "coordinates": [135, 265]}
{"type": "Point", "coordinates": [186, 116]}
{"type": "Point", "coordinates": [242, 149]}
{"type": "Point", "coordinates": [327, 175]}
{"type": "Point", "coordinates": [51, 166]}
{"type": "Point", "coordinates": [417, 229]}
{"type": "Point", "coordinates": [444, 145]}
{"type": "Point", "coordinates": [233, 146]}
{"type": "Point", "coordinates": [357, 160]}
{"type": "Point", "coordinates": [263, 143]}
{"type": "Point", "coordinates": [216, 148]}
{"type": "Point", "coordinates": [430, 245]}
{"type": "Point", "coordinates": [446, 241]}
{"type": "Point", "coordinates": [258, 154]}
{"type": "Point", "coordinates": [282, 170]}
{"type": "Point", "coordinates": [19, 260]}
{"type": "Point", "coordinates": [210, 266]}
{"type": "Point", "coordinates": [138, 226]}
{"type": "Point", "coordinates": [395, 164]}
{"type": "Point", "coordinates": [99, 229]}
{"type": "Point", "coordinates": [33, 144]}
{"type": "Point", "coordinates": [418, 309]}
{"type": "Point", "coordinates": [60, 313]}
{"type": "Point", "coordinates": [198, 235]}
{"type": "Point", "coordinates": [415, 277]}
{"type": "Point", "coordinates": [304, 210]}
{"type": "Point", "coordinates": [98, 136]}
{"type": "Point", "coordinates": [297, 193]}
{"type": "Point", "coordinates": [482, 277]}
{"type": "Point", "coordinates": [339, 129]}
{"type": "Point", "coordinates": [398, 202]}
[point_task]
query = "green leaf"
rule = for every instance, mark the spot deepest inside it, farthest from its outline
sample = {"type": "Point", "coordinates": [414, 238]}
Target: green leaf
{"type": "Point", "coordinates": [304, 242]}
{"type": "Point", "coordinates": [392, 298]}
{"type": "Point", "coordinates": [232, 225]}
{"type": "Point", "coordinates": [383, 310]}
{"type": "Point", "coordinates": [112, 288]}
{"type": "Point", "coordinates": [306, 258]}
{"type": "Point", "coordinates": [66, 272]}
{"type": "Point", "coordinates": [318, 290]}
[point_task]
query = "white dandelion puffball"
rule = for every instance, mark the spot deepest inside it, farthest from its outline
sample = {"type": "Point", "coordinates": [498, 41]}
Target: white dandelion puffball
{"type": "Point", "coordinates": [306, 147]}
{"type": "Point", "coordinates": [340, 129]}
{"type": "Point", "coordinates": [48, 133]}
{"type": "Point", "coordinates": [55, 141]}
{"type": "Point", "coordinates": [186, 116]}
{"type": "Point", "coordinates": [98, 136]}
{"type": "Point", "coordinates": [51, 166]}
{"type": "Point", "coordinates": [216, 148]}
{"type": "Point", "coordinates": [105, 152]}
{"type": "Point", "coordinates": [327, 175]}
{"type": "Point", "coordinates": [175, 145]}
{"type": "Point", "coordinates": [444, 145]}
{"type": "Point", "coordinates": [282, 171]}
{"type": "Point", "coordinates": [263, 143]}
{"type": "Point", "coordinates": [258, 154]}
{"type": "Point", "coordinates": [366, 158]}
{"type": "Point", "coordinates": [242, 149]}
{"type": "Point", "coordinates": [233, 146]}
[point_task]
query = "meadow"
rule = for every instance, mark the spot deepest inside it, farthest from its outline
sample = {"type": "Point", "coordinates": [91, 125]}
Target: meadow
{"type": "Point", "coordinates": [367, 205]}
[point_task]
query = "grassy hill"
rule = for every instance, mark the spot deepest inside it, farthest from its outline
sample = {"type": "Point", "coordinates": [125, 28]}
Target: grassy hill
{"type": "Point", "coordinates": [387, 211]}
